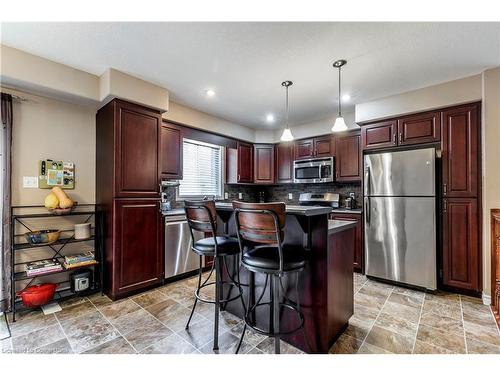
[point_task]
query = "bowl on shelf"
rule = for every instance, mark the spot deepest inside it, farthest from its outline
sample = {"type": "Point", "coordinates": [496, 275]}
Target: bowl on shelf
{"type": "Point", "coordinates": [62, 211]}
{"type": "Point", "coordinates": [37, 295]}
{"type": "Point", "coordinates": [42, 237]}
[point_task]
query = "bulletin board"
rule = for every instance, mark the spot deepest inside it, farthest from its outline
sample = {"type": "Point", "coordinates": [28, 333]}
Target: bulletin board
{"type": "Point", "coordinates": [56, 173]}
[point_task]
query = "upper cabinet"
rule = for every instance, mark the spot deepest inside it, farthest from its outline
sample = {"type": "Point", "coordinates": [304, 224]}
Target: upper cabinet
{"type": "Point", "coordinates": [137, 141]}
{"type": "Point", "coordinates": [284, 162]}
{"type": "Point", "coordinates": [314, 147]}
{"type": "Point", "coordinates": [239, 164]}
{"type": "Point", "coordinates": [170, 152]}
{"type": "Point", "coordinates": [420, 128]}
{"type": "Point", "coordinates": [263, 164]}
{"type": "Point", "coordinates": [409, 130]}
{"type": "Point", "coordinates": [460, 154]}
{"type": "Point", "coordinates": [379, 135]}
{"type": "Point", "coordinates": [348, 157]}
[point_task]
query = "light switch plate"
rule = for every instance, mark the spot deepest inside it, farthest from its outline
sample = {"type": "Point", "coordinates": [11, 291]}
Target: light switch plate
{"type": "Point", "coordinates": [240, 195]}
{"type": "Point", "coordinates": [226, 195]}
{"type": "Point", "coordinates": [290, 196]}
{"type": "Point", "coordinates": [30, 182]}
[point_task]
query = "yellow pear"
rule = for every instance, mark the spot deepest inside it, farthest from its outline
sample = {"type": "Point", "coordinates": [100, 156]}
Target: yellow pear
{"type": "Point", "coordinates": [51, 201]}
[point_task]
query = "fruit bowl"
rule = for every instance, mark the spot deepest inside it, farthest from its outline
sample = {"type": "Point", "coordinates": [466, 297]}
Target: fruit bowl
{"type": "Point", "coordinates": [62, 211]}
{"type": "Point", "coordinates": [42, 237]}
{"type": "Point", "coordinates": [37, 295]}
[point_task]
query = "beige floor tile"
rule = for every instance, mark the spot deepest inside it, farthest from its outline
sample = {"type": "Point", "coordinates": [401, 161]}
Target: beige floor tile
{"type": "Point", "coordinates": [422, 347]}
{"type": "Point", "coordinates": [115, 346]}
{"type": "Point", "coordinates": [405, 299]}
{"type": "Point", "coordinates": [411, 314]}
{"type": "Point", "coordinates": [59, 347]}
{"type": "Point", "coordinates": [100, 300]}
{"type": "Point", "coordinates": [364, 314]}
{"type": "Point", "coordinates": [250, 337]}
{"type": "Point", "coordinates": [149, 298]}
{"type": "Point", "coordinates": [444, 323]}
{"type": "Point", "coordinates": [376, 290]}
{"type": "Point", "coordinates": [475, 308]}
{"type": "Point", "coordinates": [357, 329]}
{"type": "Point", "coordinates": [131, 321]}
{"type": "Point", "coordinates": [74, 311]}
{"type": "Point", "coordinates": [410, 292]}
{"type": "Point", "coordinates": [173, 344]}
{"type": "Point", "coordinates": [478, 347]}
{"type": "Point", "coordinates": [29, 321]}
{"type": "Point", "coordinates": [452, 311]}
{"type": "Point", "coordinates": [482, 333]}
{"type": "Point", "coordinates": [6, 346]}
{"type": "Point", "coordinates": [485, 319]}
{"type": "Point", "coordinates": [29, 342]}
{"type": "Point", "coordinates": [116, 310]}
{"type": "Point", "coordinates": [199, 333]}
{"type": "Point", "coordinates": [391, 341]}
{"type": "Point", "coordinates": [147, 335]}
{"type": "Point", "coordinates": [227, 345]}
{"type": "Point", "coordinates": [441, 339]}
{"type": "Point", "coordinates": [396, 324]}
{"type": "Point", "coordinates": [173, 314]}
{"type": "Point", "coordinates": [370, 301]}
{"type": "Point", "coordinates": [372, 349]}
{"type": "Point", "coordinates": [267, 346]}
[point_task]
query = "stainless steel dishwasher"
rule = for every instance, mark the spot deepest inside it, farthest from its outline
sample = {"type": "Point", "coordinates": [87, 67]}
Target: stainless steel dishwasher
{"type": "Point", "coordinates": [179, 258]}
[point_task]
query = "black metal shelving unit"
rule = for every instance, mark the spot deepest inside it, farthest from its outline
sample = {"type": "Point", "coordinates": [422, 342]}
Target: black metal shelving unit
{"type": "Point", "coordinates": [63, 291]}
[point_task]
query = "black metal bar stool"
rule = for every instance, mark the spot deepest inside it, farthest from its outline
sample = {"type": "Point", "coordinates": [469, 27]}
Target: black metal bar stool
{"type": "Point", "coordinates": [260, 228]}
{"type": "Point", "coordinates": [202, 216]}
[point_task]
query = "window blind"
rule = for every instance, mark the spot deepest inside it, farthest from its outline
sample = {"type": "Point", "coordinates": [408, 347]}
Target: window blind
{"type": "Point", "coordinates": [202, 170]}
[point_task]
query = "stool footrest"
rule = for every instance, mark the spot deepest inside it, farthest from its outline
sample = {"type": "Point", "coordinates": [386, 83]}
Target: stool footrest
{"type": "Point", "coordinates": [250, 325]}
{"type": "Point", "coordinates": [212, 301]}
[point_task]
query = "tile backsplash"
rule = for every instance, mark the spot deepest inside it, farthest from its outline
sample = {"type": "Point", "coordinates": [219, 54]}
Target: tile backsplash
{"type": "Point", "coordinates": [279, 193]}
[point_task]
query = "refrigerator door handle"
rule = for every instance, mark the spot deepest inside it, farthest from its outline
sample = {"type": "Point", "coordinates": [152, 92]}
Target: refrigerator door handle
{"type": "Point", "coordinates": [367, 181]}
{"type": "Point", "coordinates": [367, 210]}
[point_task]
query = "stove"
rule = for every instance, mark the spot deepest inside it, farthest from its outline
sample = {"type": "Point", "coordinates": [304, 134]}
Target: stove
{"type": "Point", "coordinates": [320, 199]}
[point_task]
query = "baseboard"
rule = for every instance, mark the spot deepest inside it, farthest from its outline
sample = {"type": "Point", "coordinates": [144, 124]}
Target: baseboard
{"type": "Point", "coordinates": [486, 299]}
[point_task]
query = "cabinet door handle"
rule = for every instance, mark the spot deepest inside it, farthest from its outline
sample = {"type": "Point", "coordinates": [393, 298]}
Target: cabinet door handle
{"type": "Point", "coordinates": [445, 205]}
{"type": "Point", "coordinates": [394, 138]}
{"type": "Point", "coordinates": [444, 189]}
{"type": "Point", "coordinates": [239, 177]}
{"type": "Point", "coordinates": [400, 138]}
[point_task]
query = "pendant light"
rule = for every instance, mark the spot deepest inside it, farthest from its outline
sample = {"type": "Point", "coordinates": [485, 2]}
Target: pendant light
{"type": "Point", "coordinates": [339, 124]}
{"type": "Point", "coordinates": [287, 135]}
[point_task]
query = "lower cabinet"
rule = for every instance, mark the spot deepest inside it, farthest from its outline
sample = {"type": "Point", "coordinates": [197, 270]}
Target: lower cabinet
{"type": "Point", "coordinates": [137, 261]}
{"type": "Point", "coordinates": [358, 248]}
{"type": "Point", "coordinates": [461, 256]}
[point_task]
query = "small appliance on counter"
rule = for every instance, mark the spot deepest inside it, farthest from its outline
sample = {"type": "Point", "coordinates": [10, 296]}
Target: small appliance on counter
{"type": "Point", "coordinates": [320, 199]}
{"type": "Point", "coordinates": [80, 280]}
{"type": "Point", "coordinates": [350, 202]}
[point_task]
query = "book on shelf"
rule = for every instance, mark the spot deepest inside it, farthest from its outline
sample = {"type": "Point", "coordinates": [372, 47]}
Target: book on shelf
{"type": "Point", "coordinates": [80, 264]}
{"type": "Point", "coordinates": [42, 264]}
{"type": "Point", "coordinates": [41, 271]}
{"type": "Point", "coordinates": [78, 258]}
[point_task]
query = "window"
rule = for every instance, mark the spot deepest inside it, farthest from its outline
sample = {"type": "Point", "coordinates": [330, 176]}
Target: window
{"type": "Point", "coordinates": [202, 170]}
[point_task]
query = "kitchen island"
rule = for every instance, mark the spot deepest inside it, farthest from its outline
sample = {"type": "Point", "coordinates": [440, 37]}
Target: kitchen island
{"type": "Point", "coordinates": [325, 285]}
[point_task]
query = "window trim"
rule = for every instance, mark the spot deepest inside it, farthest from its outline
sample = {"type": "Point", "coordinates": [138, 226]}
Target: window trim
{"type": "Point", "coordinates": [222, 166]}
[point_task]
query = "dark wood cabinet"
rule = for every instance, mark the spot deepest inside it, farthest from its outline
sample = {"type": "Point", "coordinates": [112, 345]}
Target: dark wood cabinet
{"type": "Point", "coordinates": [170, 152]}
{"type": "Point", "coordinates": [137, 138]}
{"type": "Point", "coordinates": [419, 128]}
{"type": "Point", "coordinates": [239, 164]}
{"type": "Point", "coordinates": [359, 243]}
{"type": "Point", "coordinates": [138, 247]}
{"type": "Point", "coordinates": [263, 164]}
{"type": "Point", "coordinates": [128, 173]}
{"type": "Point", "coordinates": [495, 264]}
{"type": "Point", "coordinates": [460, 151]}
{"type": "Point", "coordinates": [348, 157]}
{"type": "Point", "coordinates": [315, 147]}
{"type": "Point", "coordinates": [284, 162]}
{"type": "Point", "coordinates": [379, 135]}
{"type": "Point", "coordinates": [461, 244]}
{"type": "Point", "coordinates": [304, 149]}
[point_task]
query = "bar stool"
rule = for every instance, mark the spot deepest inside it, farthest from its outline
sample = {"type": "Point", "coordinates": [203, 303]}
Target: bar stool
{"type": "Point", "coordinates": [202, 217]}
{"type": "Point", "coordinates": [260, 229]}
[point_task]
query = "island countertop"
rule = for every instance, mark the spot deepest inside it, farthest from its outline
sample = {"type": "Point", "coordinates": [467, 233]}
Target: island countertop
{"type": "Point", "coordinates": [290, 209]}
{"type": "Point", "coordinates": [335, 226]}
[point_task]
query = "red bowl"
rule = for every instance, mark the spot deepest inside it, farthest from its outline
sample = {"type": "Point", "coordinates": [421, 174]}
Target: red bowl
{"type": "Point", "coordinates": [37, 295]}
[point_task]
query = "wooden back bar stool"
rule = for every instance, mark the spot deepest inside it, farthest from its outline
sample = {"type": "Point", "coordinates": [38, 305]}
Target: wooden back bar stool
{"type": "Point", "coordinates": [202, 216]}
{"type": "Point", "coordinates": [261, 229]}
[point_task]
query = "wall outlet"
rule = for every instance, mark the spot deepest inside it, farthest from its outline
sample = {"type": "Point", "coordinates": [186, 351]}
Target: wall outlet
{"type": "Point", "coordinates": [30, 182]}
{"type": "Point", "coordinates": [240, 195]}
{"type": "Point", "coordinates": [290, 196]}
{"type": "Point", "coordinates": [226, 195]}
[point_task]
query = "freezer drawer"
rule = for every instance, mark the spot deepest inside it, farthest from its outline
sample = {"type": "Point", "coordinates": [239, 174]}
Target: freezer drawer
{"type": "Point", "coordinates": [400, 239]}
{"type": "Point", "coordinates": [400, 173]}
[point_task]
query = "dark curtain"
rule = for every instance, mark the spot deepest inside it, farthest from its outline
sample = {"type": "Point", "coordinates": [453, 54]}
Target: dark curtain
{"type": "Point", "coordinates": [5, 258]}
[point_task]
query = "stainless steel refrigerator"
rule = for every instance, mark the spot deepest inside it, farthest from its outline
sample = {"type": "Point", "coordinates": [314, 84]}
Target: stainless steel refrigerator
{"type": "Point", "coordinates": [400, 216]}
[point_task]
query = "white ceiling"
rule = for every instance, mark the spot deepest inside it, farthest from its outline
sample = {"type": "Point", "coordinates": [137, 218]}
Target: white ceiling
{"type": "Point", "coordinates": [245, 63]}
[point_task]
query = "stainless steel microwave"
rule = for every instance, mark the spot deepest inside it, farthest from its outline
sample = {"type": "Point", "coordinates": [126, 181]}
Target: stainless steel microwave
{"type": "Point", "coordinates": [313, 170]}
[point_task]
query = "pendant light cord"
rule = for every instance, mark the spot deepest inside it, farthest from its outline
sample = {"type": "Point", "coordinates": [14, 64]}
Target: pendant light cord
{"type": "Point", "coordinates": [340, 111]}
{"type": "Point", "coordinates": [286, 107]}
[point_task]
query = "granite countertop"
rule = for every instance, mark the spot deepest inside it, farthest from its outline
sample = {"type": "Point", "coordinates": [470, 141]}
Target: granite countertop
{"type": "Point", "coordinates": [347, 211]}
{"type": "Point", "coordinates": [290, 209]}
{"type": "Point", "coordinates": [335, 226]}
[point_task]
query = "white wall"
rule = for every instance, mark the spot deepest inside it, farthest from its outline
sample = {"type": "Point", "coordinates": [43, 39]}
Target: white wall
{"type": "Point", "coordinates": [460, 91]}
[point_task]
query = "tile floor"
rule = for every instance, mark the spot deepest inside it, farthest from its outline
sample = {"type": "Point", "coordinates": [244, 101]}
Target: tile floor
{"type": "Point", "coordinates": [390, 319]}
{"type": "Point", "coordinates": [387, 319]}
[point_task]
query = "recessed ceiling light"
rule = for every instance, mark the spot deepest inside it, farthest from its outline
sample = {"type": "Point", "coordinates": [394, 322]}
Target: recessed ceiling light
{"type": "Point", "coordinates": [346, 97]}
{"type": "Point", "coordinates": [270, 117]}
{"type": "Point", "coordinates": [210, 92]}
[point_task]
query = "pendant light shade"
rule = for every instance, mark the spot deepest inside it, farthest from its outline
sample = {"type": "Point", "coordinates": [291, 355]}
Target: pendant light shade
{"type": "Point", "coordinates": [287, 135]}
{"type": "Point", "coordinates": [339, 124]}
